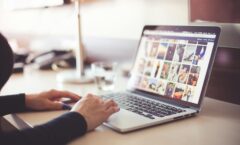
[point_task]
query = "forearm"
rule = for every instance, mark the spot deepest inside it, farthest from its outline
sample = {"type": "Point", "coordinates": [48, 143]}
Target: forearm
{"type": "Point", "coordinates": [12, 104]}
{"type": "Point", "coordinates": [58, 131]}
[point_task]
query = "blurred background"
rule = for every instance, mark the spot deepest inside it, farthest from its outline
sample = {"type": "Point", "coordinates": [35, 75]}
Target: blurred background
{"type": "Point", "coordinates": [111, 30]}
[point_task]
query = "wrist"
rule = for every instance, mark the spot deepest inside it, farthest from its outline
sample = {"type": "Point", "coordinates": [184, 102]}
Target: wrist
{"type": "Point", "coordinates": [28, 100]}
{"type": "Point", "coordinates": [84, 117]}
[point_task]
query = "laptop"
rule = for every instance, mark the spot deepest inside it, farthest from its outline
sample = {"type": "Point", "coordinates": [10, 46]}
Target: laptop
{"type": "Point", "coordinates": [169, 77]}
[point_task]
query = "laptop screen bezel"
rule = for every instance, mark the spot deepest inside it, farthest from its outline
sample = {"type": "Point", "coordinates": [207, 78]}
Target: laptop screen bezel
{"type": "Point", "coordinates": [203, 29]}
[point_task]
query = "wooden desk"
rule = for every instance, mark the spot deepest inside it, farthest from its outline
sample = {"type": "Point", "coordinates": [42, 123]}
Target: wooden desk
{"type": "Point", "coordinates": [217, 124]}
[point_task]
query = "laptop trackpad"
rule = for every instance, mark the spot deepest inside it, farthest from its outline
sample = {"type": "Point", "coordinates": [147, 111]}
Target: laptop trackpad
{"type": "Point", "coordinates": [124, 120]}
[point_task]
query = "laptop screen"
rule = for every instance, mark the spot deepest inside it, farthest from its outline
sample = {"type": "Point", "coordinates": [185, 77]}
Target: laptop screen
{"type": "Point", "coordinates": [172, 64]}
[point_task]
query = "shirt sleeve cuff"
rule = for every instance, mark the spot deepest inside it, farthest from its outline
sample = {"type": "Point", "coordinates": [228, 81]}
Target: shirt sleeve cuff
{"type": "Point", "coordinates": [65, 128]}
{"type": "Point", "coordinates": [12, 103]}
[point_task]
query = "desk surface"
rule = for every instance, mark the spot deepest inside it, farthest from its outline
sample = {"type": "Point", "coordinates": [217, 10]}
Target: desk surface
{"type": "Point", "coordinates": [218, 123]}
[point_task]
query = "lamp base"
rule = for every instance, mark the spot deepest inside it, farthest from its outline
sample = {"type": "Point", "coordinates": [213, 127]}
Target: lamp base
{"type": "Point", "coordinates": [74, 78]}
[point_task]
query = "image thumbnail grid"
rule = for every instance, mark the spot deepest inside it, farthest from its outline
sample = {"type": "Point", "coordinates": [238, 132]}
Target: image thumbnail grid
{"type": "Point", "coordinates": [170, 67]}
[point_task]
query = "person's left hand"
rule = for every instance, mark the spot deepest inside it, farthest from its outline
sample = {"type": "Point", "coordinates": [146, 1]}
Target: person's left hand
{"type": "Point", "coordinates": [49, 100]}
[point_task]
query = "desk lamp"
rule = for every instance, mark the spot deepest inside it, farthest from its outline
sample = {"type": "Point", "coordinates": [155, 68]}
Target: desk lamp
{"type": "Point", "coordinates": [78, 75]}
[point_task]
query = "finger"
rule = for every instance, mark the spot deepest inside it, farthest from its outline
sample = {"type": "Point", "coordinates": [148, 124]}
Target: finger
{"type": "Point", "coordinates": [55, 105]}
{"type": "Point", "coordinates": [112, 110]}
{"type": "Point", "coordinates": [71, 95]}
{"type": "Point", "coordinates": [94, 96]}
{"type": "Point", "coordinates": [89, 95]}
{"type": "Point", "coordinates": [114, 103]}
{"type": "Point", "coordinates": [64, 94]}
{"type": "Point", "coordinates": [100, 100]}
{"type": "Point", "coordinates": [109, 102]}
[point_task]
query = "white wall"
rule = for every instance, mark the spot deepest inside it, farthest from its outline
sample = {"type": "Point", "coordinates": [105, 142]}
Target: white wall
{"type": "Point", "coordinates": [100, 18]}
{"type": "Point", "coordinates": [111, 28]}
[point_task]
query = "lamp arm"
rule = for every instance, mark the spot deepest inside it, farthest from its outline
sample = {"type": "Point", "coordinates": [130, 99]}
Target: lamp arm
{"type": "Point", "coordinates": [80, 48]}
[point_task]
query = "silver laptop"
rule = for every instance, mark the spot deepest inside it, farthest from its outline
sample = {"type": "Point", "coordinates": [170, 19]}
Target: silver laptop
{"type": "Point", "coordinates": [169, 77]}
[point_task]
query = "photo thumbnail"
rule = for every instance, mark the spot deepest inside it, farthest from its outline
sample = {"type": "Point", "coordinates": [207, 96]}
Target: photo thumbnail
{"type": "Point", "coordinates": [169, 89]}
{"type": "Point", "coordinates": [143, 83]}
{"type": "Point", "coordinates": [147, 47]}
{"type": "Point", "coordinates": [178, 56]}
{"type": "Point", "coordinates": [152, 84]}
{"type": "Point", "coordinates": [179, 91]}
{"type": "Point", "coordinates": [162, 50]}
{"type": "Point", "coordinates": [148, 68]}
{"type": "Point", "coordinates": [182, 41]}
{"type": "Point", "coordinates": [161, 87]}
{"type": "Point", "coordinates": [172, 40]}
{"type": "Point", "coordinates": [195, 69]}
{"type": "Point", "coordinates": [183, 74]}
{"type": "Point", "coordinates": [193, 79]}
{"type": "Point", "coordinates": [189, 54]}
{"type": "Point", "coordinates": [170, 51]}
{"type": "Point", "coordinates": [194, 75]}
{"type": "Point", "coordinates": [158, 68]}
{"type": "Point", "coordinates": [188, 93]}
{"type": "Point", "coordinates": [154, 49]}
{"type": "Point", "coordinates": [173, 72]}
{"type": "Point", "coordinates": [164, 40]}
{"type": "Point", "coordinates": [199, 55]}
{"type": "Point", "coordinates": [141, 65]}
{"type": "Point", "coordinates": [165, 70]}
{"type": "Point", "coordinates": [192, 42]}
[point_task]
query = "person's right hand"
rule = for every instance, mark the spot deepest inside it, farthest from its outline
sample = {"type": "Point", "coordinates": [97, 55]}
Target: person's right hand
{"type": "Point", "coordinates": [95, 110]}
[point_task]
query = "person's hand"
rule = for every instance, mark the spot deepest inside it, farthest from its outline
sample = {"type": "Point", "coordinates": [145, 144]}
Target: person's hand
{"type": "Point", "coordinates": [49, 100]}
{"type": "Point", "coordinates": [95, 110]}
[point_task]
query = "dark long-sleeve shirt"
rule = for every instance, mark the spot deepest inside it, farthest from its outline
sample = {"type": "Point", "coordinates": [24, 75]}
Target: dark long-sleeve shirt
{"type": "Point", "coordinates": [56, 132]}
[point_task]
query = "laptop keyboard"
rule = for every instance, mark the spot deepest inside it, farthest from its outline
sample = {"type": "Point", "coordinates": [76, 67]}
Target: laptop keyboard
{"type": "Point", "coordinates": [142, 106]}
